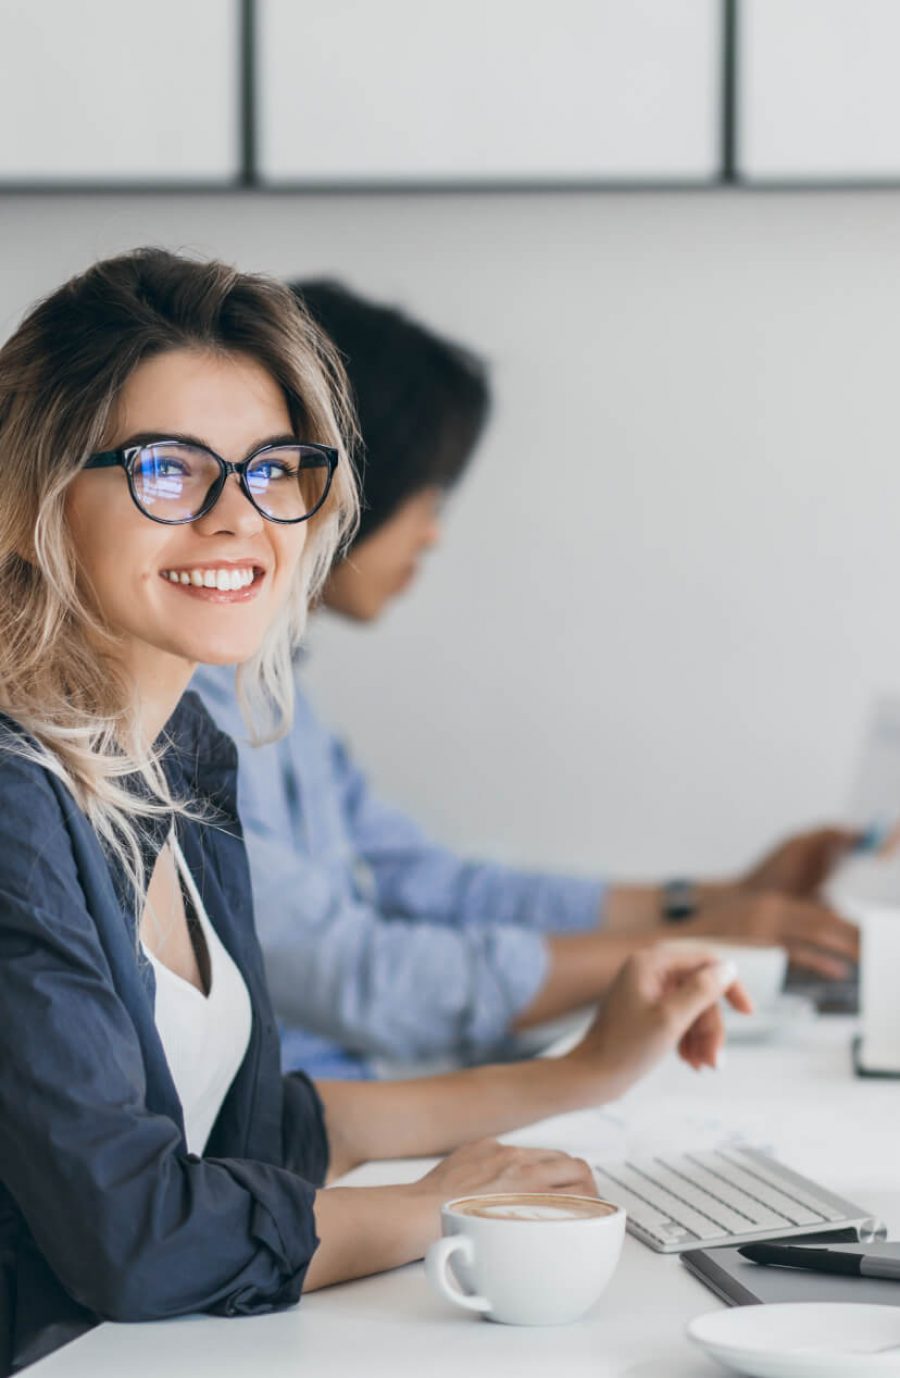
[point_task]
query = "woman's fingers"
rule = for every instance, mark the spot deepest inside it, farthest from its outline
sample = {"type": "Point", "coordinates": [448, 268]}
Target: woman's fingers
{"type": "Point", "coordinates": [487, 1166]}
{"type": "Point", "coordinates": [667, 965]}
{"type": "Point", "coordinates": [815, 959]}
{"type": "Point", "coordinates": [703, 1041]}
{"type": "Point", "coordinates": [739, 999]}
{"type": "Point", "coordinates": [552, 1170]}
{"type": "Point", "coordinates": [696, 991]}
{"type": "Point", "coordinates": [806, 922]}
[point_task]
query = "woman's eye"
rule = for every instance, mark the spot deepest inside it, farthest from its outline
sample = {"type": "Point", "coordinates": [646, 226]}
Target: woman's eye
{"type": "Point", "coordinates": [169, 468]}
{"type": "Point", "coordinates": [272, 469]}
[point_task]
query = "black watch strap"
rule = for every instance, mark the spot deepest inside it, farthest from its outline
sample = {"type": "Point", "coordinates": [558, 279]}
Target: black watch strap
{"type": "Point", "coordinates": [679, 900]}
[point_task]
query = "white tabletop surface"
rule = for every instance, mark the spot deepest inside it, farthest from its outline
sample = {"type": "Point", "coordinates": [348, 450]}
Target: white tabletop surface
{"type": "Point", "coordinates": [796, 1095]}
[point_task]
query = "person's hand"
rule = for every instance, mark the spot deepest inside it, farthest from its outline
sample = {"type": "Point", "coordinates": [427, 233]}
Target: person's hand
{"type": "Point", "coordinates": [815, 937]}
{"type": "Point", "coordinates": [800, 866]}
{"type": "Point", "coordinates": [663, 998]}
{"type": "Point", "coordinates": [489, 1166]}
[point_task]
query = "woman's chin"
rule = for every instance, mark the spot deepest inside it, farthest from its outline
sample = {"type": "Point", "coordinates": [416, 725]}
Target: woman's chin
{"type": "Point", "coordinates": [231, 654]}
{"type": "Point", "coordinates": [218, 650]}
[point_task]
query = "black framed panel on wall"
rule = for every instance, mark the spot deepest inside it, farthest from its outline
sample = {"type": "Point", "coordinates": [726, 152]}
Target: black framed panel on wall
{"type": "Point", "coordinates": [397, 93]}
{"type": "Point", "coordinates": [404, 95]}
{"type": "Point", "coordinates": [104, 93]}
{"type": "Point", "coordinates": [817, 95]}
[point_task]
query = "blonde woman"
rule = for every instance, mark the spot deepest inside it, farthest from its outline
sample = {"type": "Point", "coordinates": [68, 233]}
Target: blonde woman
{"type": "Point", "coordinates": [174, 488]}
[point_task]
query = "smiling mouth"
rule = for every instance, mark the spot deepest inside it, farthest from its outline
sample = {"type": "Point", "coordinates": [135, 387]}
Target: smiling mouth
{"type": "Point", "coordinates": [216, 583]}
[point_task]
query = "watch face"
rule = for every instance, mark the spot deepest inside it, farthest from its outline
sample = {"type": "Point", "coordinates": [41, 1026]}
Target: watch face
{"type": "Point", "coordinates": [678, 900]}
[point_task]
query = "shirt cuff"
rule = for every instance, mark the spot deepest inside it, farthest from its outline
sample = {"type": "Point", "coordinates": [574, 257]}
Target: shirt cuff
{"type": "Point", "coordinates": [571, 905]}
{"type": "Point", "coordinates": [516, 968]}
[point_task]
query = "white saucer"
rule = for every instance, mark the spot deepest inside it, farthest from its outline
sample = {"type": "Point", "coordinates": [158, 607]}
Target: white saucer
{"type": "Point", "coordinates": [803, 1339]}
{"type": "Point", "coordinates": [782, 1015]}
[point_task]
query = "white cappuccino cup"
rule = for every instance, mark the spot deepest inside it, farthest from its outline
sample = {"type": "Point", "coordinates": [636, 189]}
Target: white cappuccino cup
{"type": "Point", "coordinates": [526, 1258]}
{"type": "Point", "coordinates": [761, 968]}
{"type": "Point", "coordinates": [879, 1045]}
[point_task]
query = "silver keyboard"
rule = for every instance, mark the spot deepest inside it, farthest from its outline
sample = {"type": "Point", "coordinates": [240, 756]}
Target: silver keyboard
{"type": "Point", "coordinates": [724, 1196]}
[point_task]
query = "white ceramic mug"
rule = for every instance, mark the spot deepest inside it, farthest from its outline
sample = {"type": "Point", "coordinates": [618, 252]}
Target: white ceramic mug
{"type": "Point", "coordinates": [879, 1050]}
{"type": "Point", "coordinates": [526, 1258]}
{"type": "Point", "coordinates": [761, 970]}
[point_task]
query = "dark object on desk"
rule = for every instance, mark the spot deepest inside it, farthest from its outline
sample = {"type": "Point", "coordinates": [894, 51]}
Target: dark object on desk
{"type": "Point", "coordinates": [738, 1282]}
{"type": "Point", "coordinates": [846, 1262]}
{"type": "Point", "coordinates": [829, 997]}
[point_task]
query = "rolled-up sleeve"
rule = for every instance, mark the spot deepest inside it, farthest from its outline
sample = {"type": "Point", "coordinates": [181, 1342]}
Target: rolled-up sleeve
{"type": "Point", "coordinates": [374, 937]}
{"type": "Point", "coordinates": [385, 986]}
{"type": "Point", "coordinates": [415, 877]}
{"type": "Point", "coordinates": [134, 1227]}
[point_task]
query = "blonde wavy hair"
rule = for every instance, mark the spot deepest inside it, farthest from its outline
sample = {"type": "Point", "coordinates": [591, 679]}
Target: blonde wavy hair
{"type": "Point", "coordinates": [61, 374]}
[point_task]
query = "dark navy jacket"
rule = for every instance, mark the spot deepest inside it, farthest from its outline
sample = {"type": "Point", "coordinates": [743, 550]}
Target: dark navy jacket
{"type": "Point", "coordinates": [103, 1212]}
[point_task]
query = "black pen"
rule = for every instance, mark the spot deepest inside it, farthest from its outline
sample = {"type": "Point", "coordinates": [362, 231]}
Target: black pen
{"type": "Point", "coordinates": [823, 1260]}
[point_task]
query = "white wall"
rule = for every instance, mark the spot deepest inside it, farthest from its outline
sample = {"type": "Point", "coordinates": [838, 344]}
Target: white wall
{"type": "Point", "coordinates": [668, 587]}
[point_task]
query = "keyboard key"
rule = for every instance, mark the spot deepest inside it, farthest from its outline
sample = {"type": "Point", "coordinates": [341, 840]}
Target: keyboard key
{"type": "Point", "coordinates": [792, 1184]}
{"type": "Point", "coordinates": [766, 1195]}
{"type": "Point", "coordinates": [679, 1200]}
{"type": "Point", "coordinates": [661, 1226]}
{"type": "Point", "coordinates": [762, 1217]}
{"type": "Point", "coordinates": [702, 1226]}
{"type": "Point", "coordinates": [762, 1183]}
{"type": "Point", "coordinates": [729, 1219]}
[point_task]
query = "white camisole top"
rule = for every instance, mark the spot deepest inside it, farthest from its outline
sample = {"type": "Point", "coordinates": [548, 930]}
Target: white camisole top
{"type": "Point", "coordinates": [204, 1037]}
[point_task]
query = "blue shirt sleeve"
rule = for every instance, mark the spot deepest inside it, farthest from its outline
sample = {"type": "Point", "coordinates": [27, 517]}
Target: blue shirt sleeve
{"type": "Point", "coordinates": [422, 956]}
{"type": "Point", "coordinates": [416, 878]}
{"type": "Point", "coordinates": [383, 986]}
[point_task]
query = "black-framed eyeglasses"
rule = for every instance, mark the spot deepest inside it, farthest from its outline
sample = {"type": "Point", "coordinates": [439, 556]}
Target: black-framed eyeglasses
{"type": "Point", "coordinates": [174, 481]}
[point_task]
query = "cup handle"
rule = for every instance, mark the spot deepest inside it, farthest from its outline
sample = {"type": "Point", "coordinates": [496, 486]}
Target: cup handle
{"type": "Point", "coordinates": [436, 1261]}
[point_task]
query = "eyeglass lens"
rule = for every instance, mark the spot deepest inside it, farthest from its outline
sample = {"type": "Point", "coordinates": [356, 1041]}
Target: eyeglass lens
{"type": "Point", "coordinates": [172, 481]}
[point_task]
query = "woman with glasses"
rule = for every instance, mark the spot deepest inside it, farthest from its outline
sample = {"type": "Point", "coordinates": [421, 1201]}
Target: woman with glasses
{"type": "Point", "coordinates": [175, 488]}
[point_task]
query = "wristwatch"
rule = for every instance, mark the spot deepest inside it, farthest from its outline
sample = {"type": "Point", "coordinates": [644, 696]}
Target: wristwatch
{"type": "Point", "coordinates": [679, 900]}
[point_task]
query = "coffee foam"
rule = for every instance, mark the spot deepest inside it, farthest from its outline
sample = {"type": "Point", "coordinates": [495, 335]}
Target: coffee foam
{"type": "Point", "coordinates": [533, 1207]}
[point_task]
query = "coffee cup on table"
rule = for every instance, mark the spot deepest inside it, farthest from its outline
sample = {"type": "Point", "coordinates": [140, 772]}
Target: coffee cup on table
{"type": "Point", "coordinates": [878, 1046]}
{"type": "Point", "coordinates": [761, 969]}
{"type": "Point", "coordinates": [526, 1258]}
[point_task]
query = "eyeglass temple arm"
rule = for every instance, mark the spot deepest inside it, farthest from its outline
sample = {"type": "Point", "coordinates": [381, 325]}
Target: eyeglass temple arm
{"type": "Point", "coordinates": [107, 459]}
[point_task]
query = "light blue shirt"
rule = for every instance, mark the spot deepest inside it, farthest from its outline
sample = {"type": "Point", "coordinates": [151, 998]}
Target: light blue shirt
{"type": "Point", "coordinates": [379, 943]}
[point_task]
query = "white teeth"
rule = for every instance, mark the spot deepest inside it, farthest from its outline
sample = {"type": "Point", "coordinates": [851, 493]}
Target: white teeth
{"type": "Point", "coordinates": [225, 580]}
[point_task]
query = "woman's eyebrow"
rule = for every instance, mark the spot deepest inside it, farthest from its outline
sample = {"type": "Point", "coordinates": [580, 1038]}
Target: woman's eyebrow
{"type": "Point", "coordinates": [156, 437]}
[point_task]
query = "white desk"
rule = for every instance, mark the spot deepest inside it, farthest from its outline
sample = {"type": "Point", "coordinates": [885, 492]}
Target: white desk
{"type": "Point", "coordinates": [798, 1097]}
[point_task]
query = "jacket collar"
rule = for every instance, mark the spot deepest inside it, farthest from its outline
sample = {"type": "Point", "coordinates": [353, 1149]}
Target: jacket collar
{"type": "Point", "coordinates": [199, 760]}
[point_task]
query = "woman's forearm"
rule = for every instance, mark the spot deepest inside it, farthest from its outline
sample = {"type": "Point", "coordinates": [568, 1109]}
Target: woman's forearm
{"type": "Point", "coordinates": [638, 909]}
{"type": "Point", "coordinates": [366, 1230]}
{"type": "Point", "coordinates": [581, 968]}
{"type": "Point", "coordinates": [433, 1115]}
{"type": "Point", "coordinates": [663, 998]}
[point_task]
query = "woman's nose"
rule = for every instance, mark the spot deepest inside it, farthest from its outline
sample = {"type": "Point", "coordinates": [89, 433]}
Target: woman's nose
{"type": "Point", "coordinates": [233, 513]}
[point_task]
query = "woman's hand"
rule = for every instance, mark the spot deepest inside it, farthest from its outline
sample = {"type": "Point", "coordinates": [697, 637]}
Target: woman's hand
{"type": "Point", "coordinates": [801, 865]}
{"type": "Point", "coordinates": [366, 1229]}
{"type": "Point", "coordinates": [663, 998]}
{"type": "Point", "coordinates": [489, 1166]}
{"type": "Point", "coordinates": [816, 938]}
